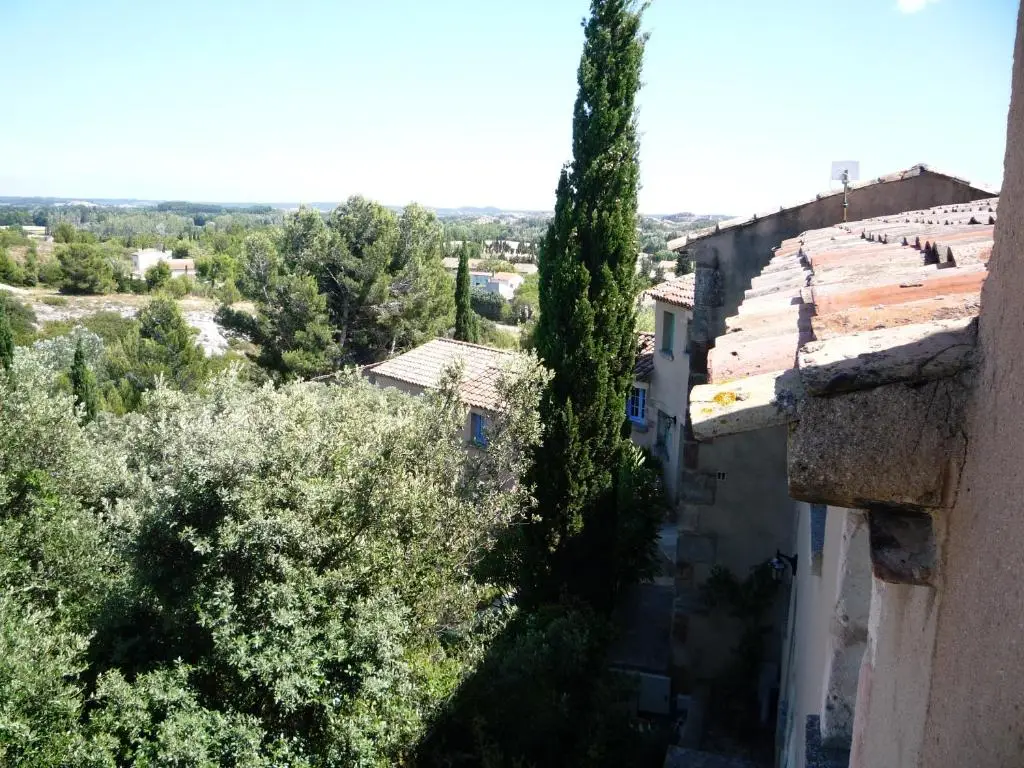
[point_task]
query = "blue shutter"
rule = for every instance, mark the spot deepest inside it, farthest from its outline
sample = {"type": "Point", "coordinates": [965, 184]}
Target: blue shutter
{"type": "Point", "coordinates": [477, 424]}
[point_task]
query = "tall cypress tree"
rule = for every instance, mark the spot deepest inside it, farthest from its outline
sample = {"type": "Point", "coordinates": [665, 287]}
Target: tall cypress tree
{"type": "Point", "coordinates": [586, 332]}
{"type": "Point", "coordinates": [83, 383]}
{"type": "Point", "coordinates": [6, 338]}
{"type": "Point", "coordinates": [463, 310]}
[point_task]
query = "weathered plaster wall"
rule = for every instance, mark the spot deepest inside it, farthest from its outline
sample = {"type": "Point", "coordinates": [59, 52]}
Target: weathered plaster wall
{"type": "Point", "coordinates": [895, 677]}
{"type": "Point", "coordinates": [976, 709]}
{"type": "Point", "coordinates": [740, 253]}
{"type": "Point", "coordinates": [386, 382]}
{"type": "Point", "coordinates": [815, 631]}
{"type": "Point", "coordinates": [667, 391]}
{"type": "Point", "coordinates": [808, 629]}
{"type": "Point", "coordinates": [751, 515]}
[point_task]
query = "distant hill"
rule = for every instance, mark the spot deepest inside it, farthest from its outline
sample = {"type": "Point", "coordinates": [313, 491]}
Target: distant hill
{"type": "Point", "coordinates": [466, 211]}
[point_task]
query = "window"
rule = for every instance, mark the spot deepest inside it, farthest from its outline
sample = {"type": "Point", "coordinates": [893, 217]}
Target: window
{"type": "Point", "coordinates": [664, 430]}
{"type": "Point", "coordinates": [668, 331]}
{"type": "Point", "coordinates": [721, 475]}
{"type": "Point", "coordinates": [636, 406]}
{"type": "Point", "coordinates": [478, 425]}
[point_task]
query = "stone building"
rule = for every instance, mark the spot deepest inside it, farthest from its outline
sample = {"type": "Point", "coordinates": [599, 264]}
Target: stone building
{"type": "Point", "coordinates": [849, 349]}
{"type": "Point", "coordinates": [735, 507]}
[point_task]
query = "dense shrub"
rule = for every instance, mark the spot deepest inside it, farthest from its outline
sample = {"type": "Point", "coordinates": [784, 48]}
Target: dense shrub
{"type": "Point", "coordinates": [250, 576]}
{"type": "Point", "coordinates": [87, 269]}
{"type": "Point", "coordinates": [489, 305]}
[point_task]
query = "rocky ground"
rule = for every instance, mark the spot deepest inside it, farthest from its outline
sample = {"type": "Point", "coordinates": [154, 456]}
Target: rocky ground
{"type": "Point", "coordinates": [50, 306]}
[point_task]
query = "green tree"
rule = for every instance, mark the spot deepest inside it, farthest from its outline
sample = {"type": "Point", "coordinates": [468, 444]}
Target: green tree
{"type": "Point", "coordinates": [586, 332]}
{"type": "Point", "coordinates": [418, 304]}
{"type": "Point", "coordinates": [463, 311]}
{"type": "Point", "coordinates": [6, 339]}
{"type": "Point", "coordinates": [181, 250]}
{"type": "Point", "coordinates": [295, 332]}
{"type": "Point", "coordinates": [65, 233]}
{"type": "Point", "coordinates": [158, 275]}
{"type": "Point", "coordinates": [86, 269]}
{"type": "Point", "coordinates": [169, 342]}
{"type": "Point", "coordinates": [684, 264]}
{"type": "Point", "coordinates": [83, 384]}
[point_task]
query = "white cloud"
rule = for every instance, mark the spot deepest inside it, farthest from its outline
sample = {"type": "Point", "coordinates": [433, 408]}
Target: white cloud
{"type": "Point", "coordinates": [913, 6]}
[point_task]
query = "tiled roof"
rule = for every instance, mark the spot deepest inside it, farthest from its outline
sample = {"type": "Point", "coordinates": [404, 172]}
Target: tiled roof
{"type": "Point", "coordinates": [740, 221]}
{"type": "Point", "coordinates": [182, 264]}
{"type": "Point", "coordinates": [677, 291]}
{"type": "Point", "coordinates": [644, 356]}
{"type": "Point", "coordinates": [846, 308]}
{"type": "Point", "coordinates": [424, 365]}
{"type": "Point", "coordinates": [858, 277]}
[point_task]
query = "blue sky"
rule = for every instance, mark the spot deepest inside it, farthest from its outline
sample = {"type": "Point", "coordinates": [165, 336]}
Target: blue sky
{"type": "Point", "coordinates": [469, 102]}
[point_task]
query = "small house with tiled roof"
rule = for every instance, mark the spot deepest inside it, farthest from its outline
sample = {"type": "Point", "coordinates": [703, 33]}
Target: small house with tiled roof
{"type": "Point", "coordinates": [422, 368]}
{"type": "Point", "coordinates": [656, 407]}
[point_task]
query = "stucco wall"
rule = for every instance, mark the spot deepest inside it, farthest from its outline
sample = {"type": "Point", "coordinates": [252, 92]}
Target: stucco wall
{"type": "Point", "coordinates": [740, 253]}
{"type": "Point", "coordinates": [667, 392]}
{"type": "Point", "coordinates": [895, 679]}
{"type": "Point", "coordinates": [976, 709]}
{"type": "Point", "coordinates": [809, 635]}
{"type": "Point", "coordinates": [386, 382]}
{"type": "Point", "coordinates": [752, 516]}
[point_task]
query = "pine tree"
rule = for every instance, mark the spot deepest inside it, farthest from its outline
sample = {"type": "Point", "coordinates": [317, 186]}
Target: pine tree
{"type": "Point", "coordinates": [463, 310]}
{"type": "Point", "coordinates": [586, 332]}
{"type": "Point", "coordinates": [6, 338]}
{"type": "Point", "coordinates": [83, 383]}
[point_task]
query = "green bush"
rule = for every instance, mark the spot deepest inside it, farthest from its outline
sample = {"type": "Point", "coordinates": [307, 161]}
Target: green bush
{"type": "Point", "coordinates": [10, 271]}
{"type": "Point", "coordinates": [158, 275]}
{"type": "Point", "coordinates": [53, 301]}
{"type": "Point", "coordinates": [21, 317]}
{"type": "Point", "coordinates": [489, 305]}
{"type": "Point", "coordinates": [87, 270]}
{"type": "Point", "coordinates": [51, 273]}
{"type": "Point", "coordinates": [228, 293]}
{"type": "Point", "coordinates": [177, 287]}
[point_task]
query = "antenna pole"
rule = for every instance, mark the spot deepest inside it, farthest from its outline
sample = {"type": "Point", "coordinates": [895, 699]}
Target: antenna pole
{"type": "Point", "coordinates": [846, 193]}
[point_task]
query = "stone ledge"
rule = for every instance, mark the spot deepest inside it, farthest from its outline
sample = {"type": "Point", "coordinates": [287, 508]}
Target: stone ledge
{"type": "Point", "coordinates": [753, 403]}
{"type": "Point", "coordinates": [916, 353]}
{"type": "Point", "coordinates": [898, 444]}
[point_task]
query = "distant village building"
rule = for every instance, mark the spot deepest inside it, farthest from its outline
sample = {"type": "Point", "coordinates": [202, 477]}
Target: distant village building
{"type": "Point", "coordinates": [421, 369]}
{"type": "Point", "coordinates": [451, 263]}
{"type": "Point", "coordinates": [146, 258]}
{"type": "Point", "coordinates": [505, 284]}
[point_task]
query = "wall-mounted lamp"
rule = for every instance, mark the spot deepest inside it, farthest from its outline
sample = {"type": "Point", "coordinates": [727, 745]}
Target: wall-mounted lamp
{"type": "Point", "coordinates": [778, 564]}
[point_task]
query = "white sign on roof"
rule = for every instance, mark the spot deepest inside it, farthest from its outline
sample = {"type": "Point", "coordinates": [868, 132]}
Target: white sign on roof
{"type": "Point", "coordinates": [852, 167]}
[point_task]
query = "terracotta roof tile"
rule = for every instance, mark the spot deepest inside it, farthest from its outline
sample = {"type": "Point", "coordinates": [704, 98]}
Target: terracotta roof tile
{"type": "Point", "coordinates": [424, 365]}
{"type": "Point", "coordinates": [644, 356]}
{"type": "Point", "coordinates": [678, 291]}
{"type": "Point", "coordinates": [858, 277]}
